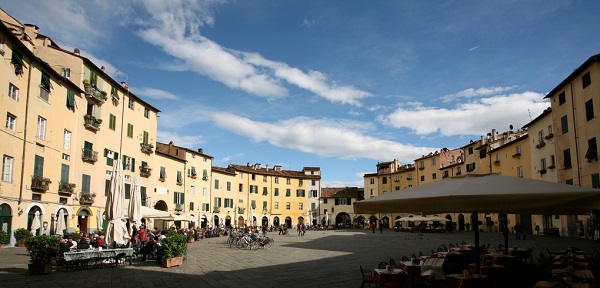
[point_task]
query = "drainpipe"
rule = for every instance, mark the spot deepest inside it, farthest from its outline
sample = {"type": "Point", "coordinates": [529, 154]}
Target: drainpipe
{"type": "Point", "coordinates": [25, 134]}
{"type": "Point", "coordinates": [575, 134]}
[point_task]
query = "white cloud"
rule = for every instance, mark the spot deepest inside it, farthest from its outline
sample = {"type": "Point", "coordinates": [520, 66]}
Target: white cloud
{"type": "Point", "coordinates": [326, 137]}
{"type": "Point", "coordinates": [179, 140]}
{"type": "Point", "coordinates": [154, 93]}
{"type": "Point", "coordinates": [308, 23]}
{"type": "Point", "coordinates": [479, 92]}
{"type": "Point", "coordinates": [474, 118]}
{"type": "Point", "coordinates": [175, 28]}
{"type": "Point", "coordinates": [473, 48]}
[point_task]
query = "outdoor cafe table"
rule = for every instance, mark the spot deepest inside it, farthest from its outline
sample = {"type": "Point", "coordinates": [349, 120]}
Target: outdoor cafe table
{"type": "Point", "coordinates": [87, 255]}
{"type": "Point", "coordinates": [586, 276]}
{"type": "Point", "coordinates": [505, 260]}
{"type": "Point", "coordinates": [382, 275]}
{"type": "Point", "coordinates": [467, 281]}
{"type": "Point", "coordinates": [410, 267]}
{"type": "Point", "coordinates": [551, 284]}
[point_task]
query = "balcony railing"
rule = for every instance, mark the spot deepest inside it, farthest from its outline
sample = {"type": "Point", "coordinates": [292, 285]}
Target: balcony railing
{"type": "Point", "coordinates": [147, 148]}
{"type": "Point", "coordinates": [145, 171]}
{"type": "Point", "coordinates": [241, 210]}
{"type": "Point", "coordinates": [40, 183]}
{"type": "Point", "coordinates": [549, 136]}
{"type": "Point", "coordinates": [95, 94]}
{"type": "Point", "coordinates": [66, 187]}
{"type": "Point", "coordinates": [91, 122]}
{"type": "Point", "coordinates": [178, 207]}
{"type": "Point", "coordinates": [542, 171]}
{"type": "Point", "coordinates": [86, 198]}
{"type": "Point", "coordinates": [89, 155]}
{"type": "Point", "coordinates": [216, 209]}
{"type": "Point", "coordinates": [541, 144]}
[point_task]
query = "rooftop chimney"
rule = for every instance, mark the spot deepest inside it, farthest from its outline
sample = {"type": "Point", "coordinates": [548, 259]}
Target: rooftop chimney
{"type": "Point", "coordinates": [76, 51]}
{"type": "Point", "coordinates": [200, 150]}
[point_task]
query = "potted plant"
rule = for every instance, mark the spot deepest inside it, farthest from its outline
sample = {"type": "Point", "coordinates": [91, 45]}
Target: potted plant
{"type": "Point", "coordinates": [173, 249]}
{"type": "Point", "coordinates": [191, 237]}
{"type": "Point", "coordinates": [3, 238]}
{"type": "Point", "coordinates": [21, 235]}
{"type": "Point", "coordinates": [42, 249]}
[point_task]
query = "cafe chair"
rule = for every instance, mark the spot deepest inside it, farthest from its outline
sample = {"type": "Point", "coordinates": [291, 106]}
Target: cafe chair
{"type": "Point", "coordinates": [367, 278]}
{"type": "Point", "coordinates": [414, 256]}
{"type": "Point", "coordinates": [420, 254]}
{"type": "Point", "coordinates": [450, 245]}
{"type": "Point", "coordinates": [404, 258]}
{"type": "Point", "coordinates": [393, 263]}
{"type": "Point", "coordinates": [382, 265]}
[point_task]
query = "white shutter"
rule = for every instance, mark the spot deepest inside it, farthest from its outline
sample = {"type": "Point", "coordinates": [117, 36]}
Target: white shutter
{"type": "Point", "coordinates": [67, 144]}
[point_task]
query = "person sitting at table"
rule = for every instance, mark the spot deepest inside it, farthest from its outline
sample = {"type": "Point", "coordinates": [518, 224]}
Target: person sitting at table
{"type": "Point", "coordinates": [100, 241]}
{"type": "Point", "coordinates": [148, 247]}
{"type": "Point", "coordinates": [65, 245]}
{"type": "Point", "coordinates": [83, 244]}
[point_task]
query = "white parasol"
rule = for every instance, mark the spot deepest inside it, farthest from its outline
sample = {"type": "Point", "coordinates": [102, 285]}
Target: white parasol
{"type": "Point", "coordinates": [437, 219]}
{"type": "Point", "coordinates": [60, 222]}
{"type": "Point", "coordinates": [99, 220]}
{"type": "Point", "coordinates": [116, 230]}
{"type": "Point", "coordinates": [135, 206]}
{"type": "Point", "coordinates": [36, 224]}
{"type": "Point", "coordinates": [413, 219]}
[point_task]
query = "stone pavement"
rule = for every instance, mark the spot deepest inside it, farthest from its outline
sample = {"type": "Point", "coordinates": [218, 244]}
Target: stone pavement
{"type": "Point", "coordinates": [319, 259]}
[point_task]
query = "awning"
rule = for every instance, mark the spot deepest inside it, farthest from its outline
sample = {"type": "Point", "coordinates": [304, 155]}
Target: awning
{"type": "Point", "coordinates": [184, 217]}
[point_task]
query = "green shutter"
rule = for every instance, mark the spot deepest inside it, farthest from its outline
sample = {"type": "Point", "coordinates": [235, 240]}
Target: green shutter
{"type": "Point", "coordinates": [175, 197]}
{"type": "Point", "coordinates": [106, 187]}
{"type": "Point", "coordinates": [132, 164]}
{"type": "Point", "coordinates": [17, 58]}
{"type": "Point", "coordinates": [38, 166]}
{"type": "Point", "coordinates": [64, 173]}
{"type": "Point", "coordinates": [595, 180]}
{"type": "Point", "coordinates": [569, 182]}
{"type": "Point", "coordinates": [45, 81]}
{"type": "Point", "coordinates": [70, 100]}
{"type": "Point", "coordinates": [182, 198]}
{"type": "Point", "coordinates": [145, 139]}
{"type": "Point", "coordinates": [127, 191]}
{"type": "Point", "coordinates": [85, 183]}
{"type": "Point", "coordinates": [143, 195]}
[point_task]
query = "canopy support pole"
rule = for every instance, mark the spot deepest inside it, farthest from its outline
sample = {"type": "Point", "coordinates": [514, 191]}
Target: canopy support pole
{"type": "Point", "coordinates": [475, 219]}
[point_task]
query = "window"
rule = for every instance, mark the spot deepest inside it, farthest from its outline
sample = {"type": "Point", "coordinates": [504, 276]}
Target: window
{"type": "Point", "coordinates": [300, 182]}
{"type": "Point", "coordinates": [324, 200]}
{"type": "Point", "coordinates": [421, 165]}
{"type": "Point", "coordinates": [470, 150]}
{"type": "Point", "coordinates": [146, 112]}
{"type": "Point", "coordinates": [592, 152]}
{"type": "Point", "coordinates": [288, 192]}
{"type": "Point", "coordinates": [434, 176]}
{"type": "Point", "coordinates": [471, 167]}
{"type": "Point", "coordinates": [276, 180]}
{"type": "Point", "coordinates": [11, 122]}
{"type": "Point", "coordinates": [163, 173]}
{"type": "Point", "coordinates": [314, 193]}
{"type": "Point", "coordinates": [65, 72]}
{"type": "Point", "coordinates": [396, 178]}
{"type": "Point", "coordinates": [300, 206]}
{"type": "Point", "coordinates": [217, 184]}
{"type": "Point", "coordinates": [589, 110]}
{"type": "Point", "coordinates": [586, 80]}
{"type": "Point", "coordinates": [179, 178]}
{"type": "Point", "coordinates": [253, 189]}
{"type": "Point", "coordinates": [432, 161]}
{"type": "Point", "coordinates": [38, 166]}
{"type": "Point", "coordinates": [228, 185]}
{"type": "Point", "coordinates": [7, 168]}
{"type": "Point", "coordinates": [520, 171]}
{"type": "Point", "coordinates": [422, 178]}
{"type": "Point", "coordinates": [552, 162]}
{"type": "Point", "coordinates": [562, 99]}
{"type": "Point", "coordinates": [543, 164]}
{"type": "Point", "coordinates": [241, 175]}
{"type": "Point", "coordinates": [13, 92]}
{"type": "Point", "coordinates": [253, 204]}
{"type": "Point", "coordinates": [191, 206]}
{"type": "Point", "coordinates": [458, 170]}
{"type": "Point", "coordinates": [276, 192]}
{"type": "Point", "coordinates": [193, 190]}
{"type": "Point", "coordinates": [129, 130]}
{"type": "Point", "coordinates": [265, 192]}
{"type": "Point", "coordinates": [41, 128]}
{"type": "Point", "coordinates": [409, 176]}
{"type": "Point", "coordinates": [519, 150]}
{"type": "Point", "coordinates": [498, 157]}
{"type": "Point", "coordinates": [276, 205]}
{"type": "Point", "coordinates": [564, 122]}
{"type": "Point", "coordinates": [205, 206]}
{"type": "Point", "coordinates": [568, 182]}
{"type": "Point", "coordinates": [67, 140]}
{"type": "Point", "coordinates": [287, 205]}
{"type": "Point", "coordinates": [179, 198]}
{"type": "Point", "coordinates": [128, 163]}
{"type": "Point", "coordinates": [482, 153]}
{"type": "Point", "coordinates": [85, 183]}
{"type": "Point", "coordinates": [130, 104]}
{"type": "Point", "coordinates": [265, 205]}
{"type": "Point", "coordinates": [45, 87]}
{"type": "Point", "coordinates": [110, 156]}
{"type": "Point", "coordinates": [384, 180]}
{"type": "Point", "coordinates": [313, 182]}
{"type": "Point", "coordinates": [253, 177]}
{"type": "Point", "coordinates": [596, 180]}
{"type": "Point", "coordinates": [204, 191]}
{"type": "Point", "coordinates": [288, 181]}
{"type": "Point", "coordinates": [300, 193]}
{"type": "Point", "coordinates": [265, 178]}
{"type": "Point", "coordinates": [567, 158]}
{"type": "Point", "coordinates": [112, 122]}
{"type": "Point", "coordinates": [550, 130]}
{"type": "Point", "coordinates": [371, 192]}
{"type": "Point", "coordinates": [372, 181]}
{"type": "Point", "coordinates": [127, 191]}
{"type": "Point", "coordinates": [541, 136]}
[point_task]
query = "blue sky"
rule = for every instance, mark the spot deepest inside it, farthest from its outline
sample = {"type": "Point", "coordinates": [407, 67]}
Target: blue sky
{"type": "Point", "coordinates": [340, 85]}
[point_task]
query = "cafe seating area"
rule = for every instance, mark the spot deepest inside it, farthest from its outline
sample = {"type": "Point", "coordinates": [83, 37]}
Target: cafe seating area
{"type": "Point", "coordinates": [93, 258]}
{"type": "Point", "coordinates": [454, 266]}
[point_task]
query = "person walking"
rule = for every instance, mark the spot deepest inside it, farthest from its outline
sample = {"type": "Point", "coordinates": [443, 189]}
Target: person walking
{"type": "Point", "coordinates": [380, 227]}
{"type": "Point", "coordinates": [373, 224]}
{"type": "Point", "coordinates": [299, 229]}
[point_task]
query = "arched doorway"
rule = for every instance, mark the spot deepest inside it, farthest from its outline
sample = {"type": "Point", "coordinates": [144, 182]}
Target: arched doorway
{"type": "Point", "coordinates": [372, 219]}
{"type": "Point", "coordinates": [31, 216]}
{"type": "Point", "coordinates": [385, 222]}
{"type": "Point", "coordinates": [300, 220]}
{"type": "Point", "coordinates": [288, 222]}
{"type": "Point", "coordinates": [161, 205]}
{"type": "Point", "coordinates": [265, 221]}
{"type": "Point", "coordinates": [449, 225]}
{"type": "Point", "coordinates": [82, 220]}
{"type": "Point", "coordinates": [216, 221]}
{"type": "Point", "coordinates": [361, 221]}
{"type": "Point", "coordinates": [343, 220]}
{"type": "Point", "coordinates": [203, 222]}
{"type": "Point", "coordinates": [6, 220]}
{"type": "Point", "coordinates": [461, 222]}
{"type": "Point", "coordinates": [240, 222]}
{"type": "Point", "coordinates": [397, 223]}
{"type": "Point", "coordinates": [227, 221]}
{"type": "Point", "coordinates": [276, 221]}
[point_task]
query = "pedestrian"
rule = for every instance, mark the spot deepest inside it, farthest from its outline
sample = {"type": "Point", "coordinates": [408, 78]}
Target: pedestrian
{"type": "Point", "coordinates": [143, 235]}
{"type": "Point", "coordinates": [299, 229]}
{"type": "Point", "coordinates": [373, 225]}
{"type": "Point", "coordinates": [518, 230]}
{"type": "Point", "coordinates": [303, 229]}
{"type": "Point", "coordinates": [537, 229]}
{"type": "Point", "coordinates": [380, 227]}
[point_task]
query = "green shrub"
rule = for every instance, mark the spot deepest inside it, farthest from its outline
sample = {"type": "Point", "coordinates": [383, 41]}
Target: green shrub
{"type": "Point", "coordinates": [3, 237]}
{"type": "Point", "coordinates": [76, 237]}
{"type": "Point", "coordinates": [42, 248]}
{"type": "Point", "coordinates": [173, 246]}
{"type": "Point", "coordinates": [22, 234]}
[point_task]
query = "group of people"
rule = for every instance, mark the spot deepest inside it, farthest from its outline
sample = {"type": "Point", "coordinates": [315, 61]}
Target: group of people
{"type": "Point", "coordinates": [86, 241]}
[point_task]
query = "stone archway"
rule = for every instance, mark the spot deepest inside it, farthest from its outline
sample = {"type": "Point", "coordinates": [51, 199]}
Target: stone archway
{"type": "Point", "coordinates": [227, 221]}
{"type": "Point", "coordinates": [276, 221]}
{"type": "Point", "coordinates": [385, 221]}
{"type": "Point", "coordinates": [215, 221]}
{"type": "Point", "coordinates": [343, 220]}
{"type": "Point", "coordinates": [31, 216]}
{"type": "Point", "coordinates": [300, 220]}
{"type": "Point", "coordinates": [288, 222]}
{"type": "Point", "coordinates": [240, 221]}
{"type": "Point", "coordinates": [265, 221]}
{"type": "Point", "coordinates": [361, 221]}
{"type": "Point", "coordinates": [83, 217]}
{"type": "Point", "coordinates": [161, 205]}
{"type": "Point", "coordinates": [6, 220]}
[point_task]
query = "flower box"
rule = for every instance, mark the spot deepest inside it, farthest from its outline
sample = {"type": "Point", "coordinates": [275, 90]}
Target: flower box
{"type": "Point", "coordinates": [172, 262]}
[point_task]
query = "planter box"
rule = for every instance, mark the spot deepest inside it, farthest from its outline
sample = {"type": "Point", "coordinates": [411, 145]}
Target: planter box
{"type": "Point", "coordinates": [171, 262]}
{"type": "Point", "coordinates": [39, 269]}
{"type": "Point", "coordinates": [191, 240]}
{"type": "Point", "coordinates": [21, 244]}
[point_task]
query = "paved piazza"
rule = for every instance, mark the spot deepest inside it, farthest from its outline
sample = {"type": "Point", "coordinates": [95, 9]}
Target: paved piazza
{"type": "Point", "coordinates": [319, 259]}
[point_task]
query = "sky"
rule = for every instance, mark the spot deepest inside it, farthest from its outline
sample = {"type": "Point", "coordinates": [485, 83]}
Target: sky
{"type": "Point", "coordinates": [340, 85]}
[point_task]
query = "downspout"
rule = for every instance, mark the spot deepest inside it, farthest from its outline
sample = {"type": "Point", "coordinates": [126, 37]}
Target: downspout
{"type": "Point", "coordinates": [25, 135]}
{"type": "Point", "coordinates": [575, 134]}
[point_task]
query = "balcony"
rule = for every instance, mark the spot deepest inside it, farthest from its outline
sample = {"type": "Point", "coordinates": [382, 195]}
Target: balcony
{"type": "Point", "coordinates": [540, 145]}
{"type": "Point", "coordinates": [516, 155]}
{"type": "Point", "coordinates": [89, 155]}
{"type": "Point", "coordinates": [95, 94]}
{"type": "Point", "coordinates": [145, 171]}
{"type": "Point", "coordinates": [205, 178]}
{"type": "Point", "coordinates": [91, 122]}
{"type": "Point", "coordinates": [422, 167]}
{"type": "Point", "coordinates": [178, 207]}
{"type": "Point", "coordinates": [86, 198]}
{"type": "Point", "coordinates": [147, 148]}
{"type": "Point", "coordinates": [549, 136]}
{"type": "Point", "coordinates": [497, 162]}
{"type": "Point", "coordinates": [241, 210]}
{"type": "Point", "coordinates": [40, 184]}
{"type": "Point", "coordinates": [458, 173]}
{"type": "Point", "coordinates": [542, 171]}
{"type": "Point", "coordinates": [217, 210]}
{"type": "Point", "coordinates": [66, 188]}
{"type": "Point", "coordinates": [193, 175]}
